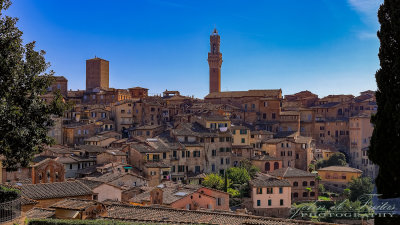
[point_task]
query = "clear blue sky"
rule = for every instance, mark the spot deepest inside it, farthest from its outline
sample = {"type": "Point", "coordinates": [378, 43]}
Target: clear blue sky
{"type": "Point", "coordinates": [325, 46]}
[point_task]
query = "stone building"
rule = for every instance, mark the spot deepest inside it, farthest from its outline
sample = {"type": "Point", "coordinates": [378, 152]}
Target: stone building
{"type": "Point", "coordinates": [75, 208]}
{"type": "Point", "coordinates": [97, 73]}
{"type": "Point", "coordinates": [48, 171]}
{"type": "Point", "coordinates": [360, 136]}
{"type": "Point", "coordinates": [76, 133]}
{"type": "Point", "coordinates": [138, 92]}
{"type": "Point", "coordinates": [189, 197]}
{"type": "Point", "coordinates": [47, 194]}
{"type": "Point", "coordinates": [270, 196]}
{"type": "Point", "coordinates": [304, 184]}
{"type": "Point", "coordinates": [61, 84]}
{"type": "Point", "coordinates": [215, 62]}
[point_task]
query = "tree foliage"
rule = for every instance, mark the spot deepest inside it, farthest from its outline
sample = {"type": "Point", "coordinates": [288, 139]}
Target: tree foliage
{"type": "Point", "coordinates": [336, 159]}
{"type": "Point", "coordinates": [216, 181]}
{"type": "Point", "coordinates": [360, 188]}
{"type": "Point", "coordinates": [238, 175]}
{"type": "Point", "coordinates": [24, 117]}
{"type": "Point", "coordinates": [385, 142]}
{"type": "Point", "coordinates": [251, 169]}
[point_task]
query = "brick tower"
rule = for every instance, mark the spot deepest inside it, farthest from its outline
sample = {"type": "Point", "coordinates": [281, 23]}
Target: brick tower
{"type": "Point", "coordinates": [97, 73]}
{"type": "Point", "coordinates": [215, 62]}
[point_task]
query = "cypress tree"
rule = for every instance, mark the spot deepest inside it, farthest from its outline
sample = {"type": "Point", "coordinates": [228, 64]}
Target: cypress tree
{"type": "Point", "coordinates": [385, 142]}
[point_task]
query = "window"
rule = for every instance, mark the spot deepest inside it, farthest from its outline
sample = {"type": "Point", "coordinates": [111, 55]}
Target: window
{"type": "Point", "coordinates": [228, 139]}
{"type": "Point", "coordinates": [289, 153]}
{"type": "Point", "coordinates": [213, 167]}
{"type": "Point", "coordinates": [243, 140]}
{"type": "Point", "coordinates": [276, 165]}
{"type": "Point", "coordinates": [280, 190]}
{"type": "Point", "coordinates": [221, 139]}
{"type": "Point", "coordinates": [214, 152]}
{"type": "Point", "coordinates": [305, 194]}
{"type": "Point", "coordinates": [295, 195]}
{"type": "Point", "coordinates": [270, 190]}
{"type": "Point", "coordinates": [281, 202]}
{"type": "Point", "coordinates": [267, 166]}
{"type": "Point", "coordinates": [269, 202]}
{"type": "Point", "coordinates": [221, 149]}
{"type": "Point", "coordinates": [258, 202]}
{"type": "Point", "coordinates": [222, 161]}
{"type": "Point", "coordinates": [295, 184]}
{"type": "Point", "coordinates": [227, 161]}
{"type": "Point", "coordinates": [312, 183]}
{"type": "Point", "coordinates": [259, 191]}
{"type": "Point", "coordinates": [212, 139]}
{"type": "Point", "coordinates": [183, 154]}
{"type": "Point", "coordinates": [188, 154]}
{"type": "Point", "coordinates": [197, 169]}
{"type": "Point", "coordinates": [304, 183]}
{"type": "Point", "coordinates": [312, 194]}
{"type": "Point", "coordinates": [273, 116]}
{"type": "Point", "coordinates": [243, 131]}
{"type": "Point", "coordinates": [220, 201]}
{"type": "Point", "coordinates": [181, 168]}
{"type": "Point", "coordinates": [164, 155]}
{"type": "Point", "coordinates": [70, 166]}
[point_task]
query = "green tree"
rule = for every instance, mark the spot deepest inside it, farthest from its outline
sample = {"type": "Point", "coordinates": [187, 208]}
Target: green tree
{"type": "Point", "coordinates": [336, 159]}
{"type": "Point", "coordinates": [346, 193]}
{"type": "Point", "coordinates": [251, 169]}
{"type": "Point", "coordinates": [360, 188]}
{"type": "Point", "coordinates": [24, 117]}
{"type": "Point", "coordinates": [321, 188]}
{"type": "Point", "coordinates": [238, 175]}
{"type": "Point", "coordinates": [384, 149]}
{"type": "Point", "coordinates": [216, 181]}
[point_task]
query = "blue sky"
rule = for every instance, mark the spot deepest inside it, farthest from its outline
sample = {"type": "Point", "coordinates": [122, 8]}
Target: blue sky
{"type": "Point", "coordinates": [325, 46]}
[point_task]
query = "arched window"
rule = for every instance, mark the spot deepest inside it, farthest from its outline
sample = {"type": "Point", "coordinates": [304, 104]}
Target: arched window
{"type": "Point", "coordinates": [295, 195]}
{"type": "Point", "coordinates": [267, 166]}
{"type": "Point", "coordinates": [295, 184]}
{"type": "Point", "coordinates": [56, 176]}
{"type": "Point", "coordinates": [276, 165]}
{"type": "Point", "coordinates": [312, 194]}
{"type": "Point", "coordinates": [312, 183]}
{"type": "Point", "coordinates": [304, 183]}
{"type": "Point", "coordinates": [40, 178]}
{"type": "Point", "coordinates": [305, 194]}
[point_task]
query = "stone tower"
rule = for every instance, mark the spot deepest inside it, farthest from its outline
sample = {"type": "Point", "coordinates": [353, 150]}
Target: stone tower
{"type": "Point", "coordinates": [215, 62]}
{"type": "Point", "coordinates": [97, 73]}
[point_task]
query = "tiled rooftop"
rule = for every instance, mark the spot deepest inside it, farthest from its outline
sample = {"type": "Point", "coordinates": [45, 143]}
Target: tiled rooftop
{"type": "Point", "coordinates": [74, 204]}
{"type": "Point", "coordinates": [55, 190]}
{"type": "Point", "coordinates": [291, 172]}
{"type": "Point", "coordinates": [340, 169]}
{"type": "Point", "coordinates": [263, 180]}
{"type": "Point", "coordinates": [40, 213]}
{"type": "Point", "coordinates": [175, 216]}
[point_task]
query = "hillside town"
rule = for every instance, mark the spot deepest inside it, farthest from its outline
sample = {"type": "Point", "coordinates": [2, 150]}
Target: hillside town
{"type": "Point", "coordinates": [123, 154]}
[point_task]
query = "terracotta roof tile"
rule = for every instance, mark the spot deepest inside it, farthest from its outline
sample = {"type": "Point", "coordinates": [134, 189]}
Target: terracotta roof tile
{"type": "Point", "coordinates": [40, 213]}
{"type": "Point", "coordinates": [168, 215]}
{"type": "Point", "coordinates": [55, 190]}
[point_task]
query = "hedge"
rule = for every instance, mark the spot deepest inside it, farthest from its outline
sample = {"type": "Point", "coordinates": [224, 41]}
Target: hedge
{"type": "Point", "coordinates": [8, 194]}
{"type": "Point", "coordinates": [82, 222]}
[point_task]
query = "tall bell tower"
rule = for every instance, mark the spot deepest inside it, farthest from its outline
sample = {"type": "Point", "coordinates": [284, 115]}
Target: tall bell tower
{"type": "Point", "coordinates": [215, 62]}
